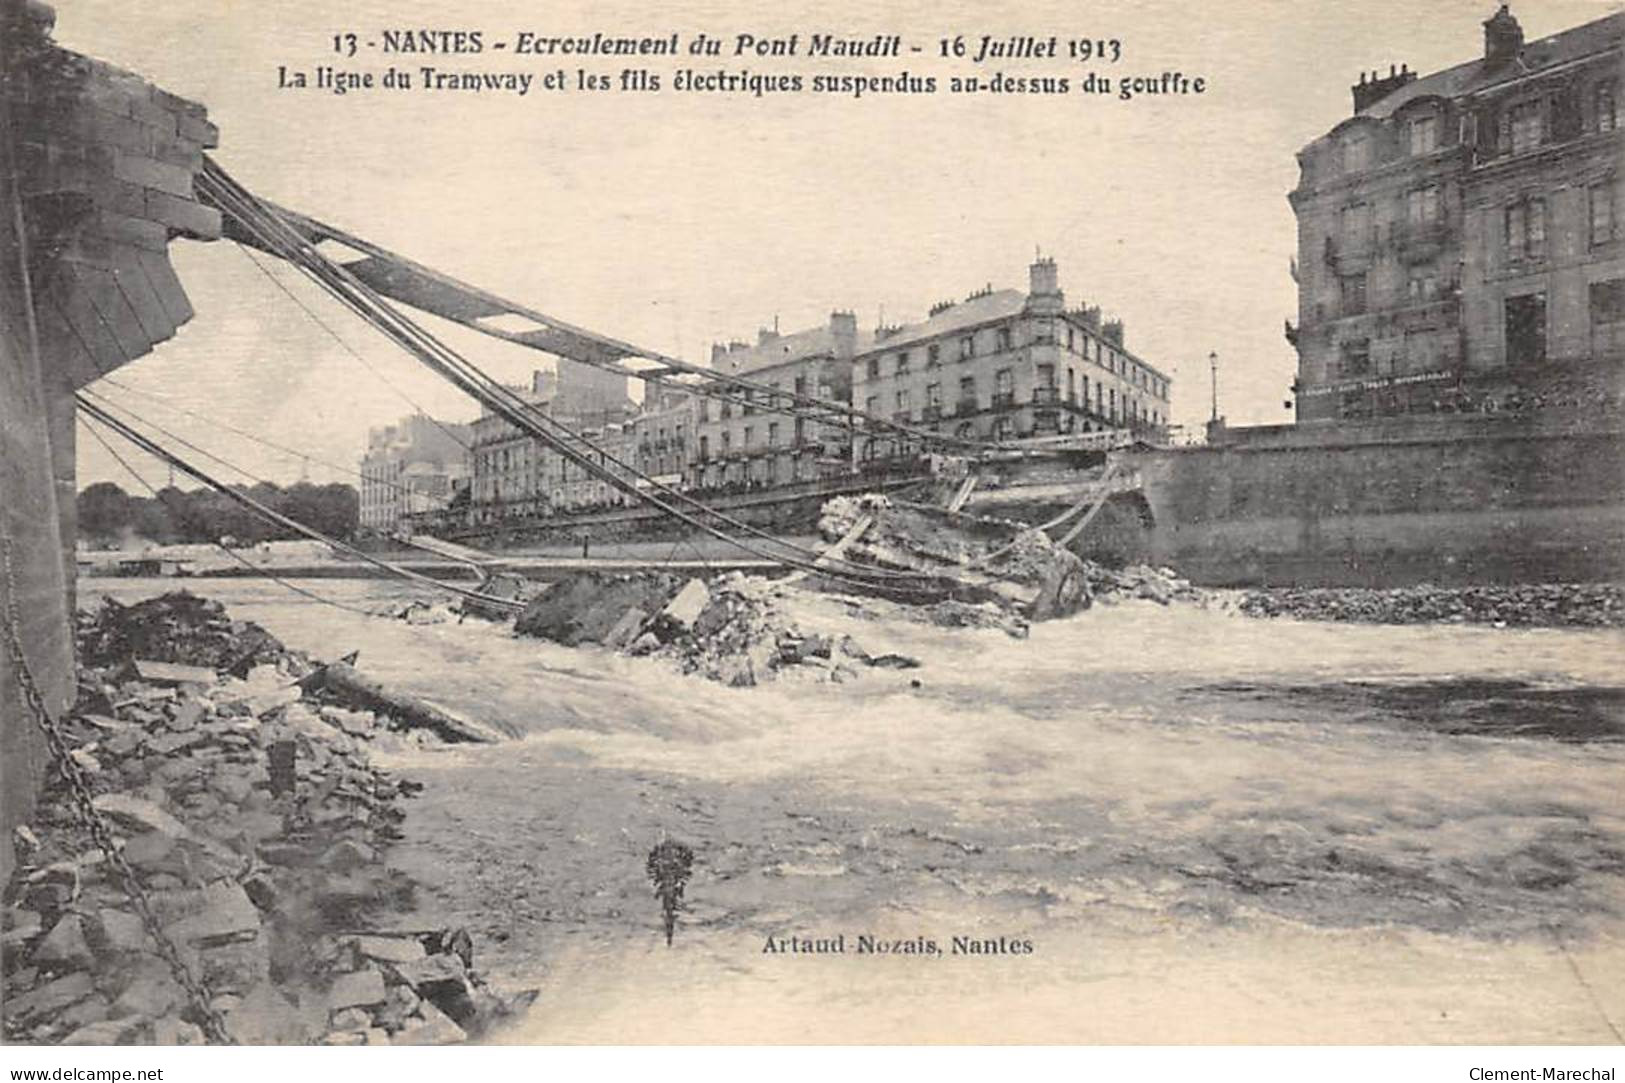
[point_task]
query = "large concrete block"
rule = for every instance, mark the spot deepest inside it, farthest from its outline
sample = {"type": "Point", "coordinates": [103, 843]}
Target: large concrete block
{"type": "Point", "coordinates": [183, 215]}
{"type": "Point", "coordinates": [197, 130]}
{"type": "Point", "coordinates": [126, 229]}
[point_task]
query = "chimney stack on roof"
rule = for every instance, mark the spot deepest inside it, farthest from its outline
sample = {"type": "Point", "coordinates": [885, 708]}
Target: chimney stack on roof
{"type": "Point", "coordinates": [1375, 87]}
{"type": "Point", "coordinates": [1044, 287]}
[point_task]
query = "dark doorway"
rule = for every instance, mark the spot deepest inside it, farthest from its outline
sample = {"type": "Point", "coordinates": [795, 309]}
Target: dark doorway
{"type": "Point", "coordinates": [1526, 329]}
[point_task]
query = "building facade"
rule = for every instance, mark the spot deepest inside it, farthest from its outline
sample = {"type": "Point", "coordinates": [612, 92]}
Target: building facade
{"type": "Point", "coordinates": [1006, 365]}
{"type": "Point", "coordinates": [1459, 244]}
{"type": "Point", "coordinates": [756, 440]}
{"type": "Point", "coordinates": [661, 432]}
{"type": "Point", "coordinates": [1000, 366]}
{"type": "Point", "coordinates": [516, 476]}
{"type": "Point", "coordinates": [411, 467]}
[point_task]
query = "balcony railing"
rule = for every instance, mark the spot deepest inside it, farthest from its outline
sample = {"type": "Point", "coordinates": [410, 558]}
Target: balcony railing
{"type": "Point", "coordinates": [967, 405]}
{"type": "Point", "coordinates": [1046, 396]}
{"type": "Point", "coordinates": [931, 413]}
{"type": "Point", "coordinates": [1003, 399]}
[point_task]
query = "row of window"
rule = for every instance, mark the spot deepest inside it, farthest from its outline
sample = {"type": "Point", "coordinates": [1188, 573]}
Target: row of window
{"type": "Point", "coordinates": [1423, 285]}
{"type": "Point", "coordinates": [749, 404]}
{"type": "Point", "coordinates": [1045, 392]}
{"type": "Point", "coordinates": [1525, 222]}
{"type": "Point", "coordinates": [1085, 346]}
{"type": "Point", "coordinates": [1525, 232]}
{"type": "Point", "coordinates": [1423, 206]}
{"type": "Point", "coordinates": [1524, 327]}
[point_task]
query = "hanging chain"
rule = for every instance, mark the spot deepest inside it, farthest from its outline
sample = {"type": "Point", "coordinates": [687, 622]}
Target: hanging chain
{"type": "Point", "coordinates": [91, 819]}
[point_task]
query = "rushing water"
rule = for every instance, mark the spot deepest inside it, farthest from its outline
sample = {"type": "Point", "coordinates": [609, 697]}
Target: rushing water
{"type": "Point", "coordinates": [1209, 828]}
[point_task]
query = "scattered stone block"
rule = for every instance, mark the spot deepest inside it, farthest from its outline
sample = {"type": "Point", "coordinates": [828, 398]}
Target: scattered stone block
{"type": "Point", "coordinates": [51, 997]}
{"type": "Point", "coordinates": [227, 912]}
{"type": "Point", "coordinates": [187, 715]}
{"type": "Point", "coordinates": [21, 926]}
{"type": "Point", "coordinates": [351, 1019]}
{"type": "Point", "coordinates": [391, 949]}
{"type": "Point", "coordinates": [432, 1027]}
{"type": "Point", "coordinates": [172, 673]}
{"type": "Point", "coordinates": [347, 855]}
{"type": "Point", "coordinates": [106, 1032]}
{"type": "Point", "coordinates": [141, 813]}
{"type": "Point", "coordinates": [152, 994]}
{"type": "Point", "coordinates": [169, 1031]}
{"type": "Point", "coordinates": [236, 966]}
{"type": "Point", "coordinates": [171, 743]}
{"type": "Point", "coordinates": [357, 989]}
{"type": "Point", "coordinates": [626, 629]}
{"type": "Point", "coordinates": [265, 1017]}
{"type": "Point", "coordinates": [119, 931]}
{"type": "Point", "coordinates": [64, 945]}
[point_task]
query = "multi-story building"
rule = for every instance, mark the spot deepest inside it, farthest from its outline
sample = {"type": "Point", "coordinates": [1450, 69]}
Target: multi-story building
{"type": "Point", "coordinates": [756, 439]}
{"type": "Point", "coordinates": [515, 475]}
{"type": "Point", "coordinates": [1002, 366]}
{"type": "Point", "coordinates": [1006, 365]}
{"type": "Point", "coordinates": [570, 486]}
{"type": "Point", "coordinates": [1459, 242]}
{"type": "Point", "coordinates": [410, 467]}
{"type": "Point", "coordinates": [507, 463]}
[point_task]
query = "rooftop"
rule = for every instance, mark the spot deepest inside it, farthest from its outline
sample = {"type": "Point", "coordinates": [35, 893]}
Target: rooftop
{"type": "Point", "coordinates": [968, 313]}
{"type": "Point", "coordinates": [1481, 74]}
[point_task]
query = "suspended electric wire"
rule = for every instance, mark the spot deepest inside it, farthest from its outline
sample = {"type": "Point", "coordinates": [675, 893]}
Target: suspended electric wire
{"type": "Point", "coordinates": [352, 351]}
{"type": "Point", "coordinates": [464, 374]}
{"type": "Point", "coordinates": [158, 451]}
{"type": "Point", "coordinates": [282, 239]}
{"type": "Point", "coordinates": [839, 413]}
{"type": "Point", "coordinates": [238, 557]}
{"type": "Point", "coordinates": [295, 452]}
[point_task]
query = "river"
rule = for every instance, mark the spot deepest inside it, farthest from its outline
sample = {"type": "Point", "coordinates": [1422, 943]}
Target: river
{"type": "Point", "coordinates": [1185, 825]}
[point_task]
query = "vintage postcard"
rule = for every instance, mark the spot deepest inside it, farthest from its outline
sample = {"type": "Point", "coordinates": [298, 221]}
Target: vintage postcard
{"type": "Point", "coordinates": [837, 524]}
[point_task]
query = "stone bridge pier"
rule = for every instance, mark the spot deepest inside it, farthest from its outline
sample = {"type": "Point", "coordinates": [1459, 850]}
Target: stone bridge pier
{"type": "Point", "coordinates": [96, 180]}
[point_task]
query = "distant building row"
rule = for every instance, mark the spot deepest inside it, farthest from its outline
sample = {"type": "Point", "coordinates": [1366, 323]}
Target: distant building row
{"type": "Point", "coordinates": [999, 366]}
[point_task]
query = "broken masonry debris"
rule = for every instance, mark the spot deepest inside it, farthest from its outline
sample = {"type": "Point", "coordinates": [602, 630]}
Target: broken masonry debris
{"type": "Point", "coordinates": [254, 826]}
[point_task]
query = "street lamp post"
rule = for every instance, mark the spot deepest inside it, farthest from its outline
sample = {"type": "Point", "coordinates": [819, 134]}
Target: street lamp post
{"type": "Point", "coordinates": [1213, 367]}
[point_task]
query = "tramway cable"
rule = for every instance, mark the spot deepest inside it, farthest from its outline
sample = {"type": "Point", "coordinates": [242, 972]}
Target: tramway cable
{"type": "Point", "coordinates": [501, 400]}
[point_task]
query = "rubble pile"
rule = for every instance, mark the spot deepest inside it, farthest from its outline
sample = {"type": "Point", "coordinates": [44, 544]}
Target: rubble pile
{"type": "Point", "coordinates": [175, 627]}
{"type": "Point", "coordinates": [1586, 605]}
{"type": "Point", "coordinates": [253, 826]}
{"type": "Point", "coordinates": [1161, 585]}
{"type": "Point", "coordinates": [595, 607]}
{"type": "Point", "coordinates": [977, 558]}
{"type": "Point", "coordinates": [731, 628]}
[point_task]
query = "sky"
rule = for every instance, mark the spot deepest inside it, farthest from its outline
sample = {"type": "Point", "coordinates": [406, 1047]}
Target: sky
{"type": "Point", "coordinates": [674, 220]}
